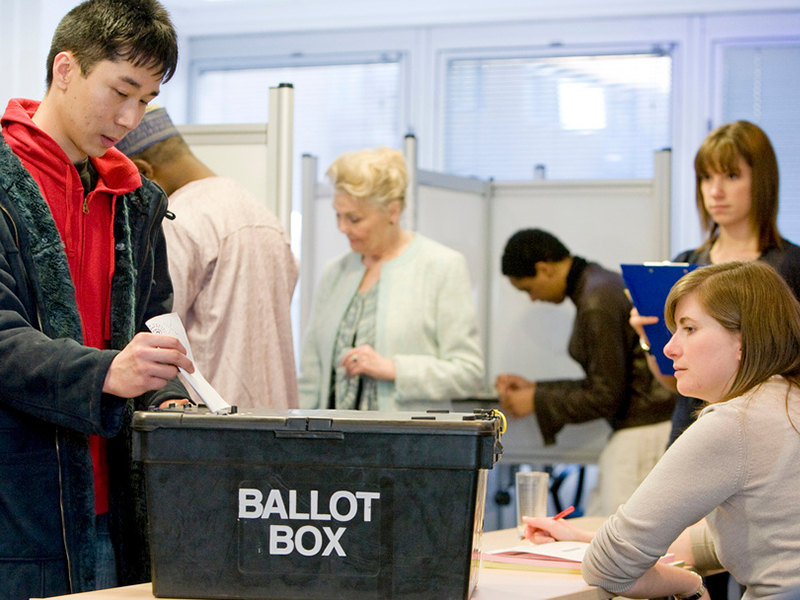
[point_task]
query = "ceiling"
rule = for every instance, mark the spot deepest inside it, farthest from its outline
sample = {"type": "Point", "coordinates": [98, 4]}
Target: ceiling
{"type": "Point", "coordinates": [208, 17]}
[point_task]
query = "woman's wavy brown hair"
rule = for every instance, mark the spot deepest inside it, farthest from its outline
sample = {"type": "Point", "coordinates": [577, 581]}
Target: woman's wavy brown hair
{"type": "Point", "coordinates": [750, 298]}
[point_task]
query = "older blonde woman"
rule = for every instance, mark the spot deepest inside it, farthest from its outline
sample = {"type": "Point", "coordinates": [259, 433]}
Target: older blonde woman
{"type": "Point", "coordinates": [393, 325]}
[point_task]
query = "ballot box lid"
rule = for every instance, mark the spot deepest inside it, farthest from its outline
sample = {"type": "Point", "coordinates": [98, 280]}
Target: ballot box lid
{"type": "Point", "coordinates": [439, 438]}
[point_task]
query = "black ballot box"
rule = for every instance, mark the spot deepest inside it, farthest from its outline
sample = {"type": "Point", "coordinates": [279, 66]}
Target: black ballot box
{"type": "Point", "coordinates": [316, 505]}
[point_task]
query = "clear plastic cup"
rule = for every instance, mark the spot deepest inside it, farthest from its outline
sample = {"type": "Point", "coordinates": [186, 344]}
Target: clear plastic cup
{"type": "Point", "coordinates": [532, 489]}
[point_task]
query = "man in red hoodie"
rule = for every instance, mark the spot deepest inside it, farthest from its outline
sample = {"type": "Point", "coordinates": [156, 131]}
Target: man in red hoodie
{"type": "Point", "coordinates": [82, 267]}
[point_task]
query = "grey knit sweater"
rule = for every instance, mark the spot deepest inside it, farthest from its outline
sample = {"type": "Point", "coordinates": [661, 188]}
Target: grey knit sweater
{"type": "Point", "coordinates": [739, 466]}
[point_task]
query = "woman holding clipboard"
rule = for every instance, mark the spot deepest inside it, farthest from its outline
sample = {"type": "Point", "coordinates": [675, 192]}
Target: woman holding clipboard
{"type": "Point", "coordinates": [737, 201]}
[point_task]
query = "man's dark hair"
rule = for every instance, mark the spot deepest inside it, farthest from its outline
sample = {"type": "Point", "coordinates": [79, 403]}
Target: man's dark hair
{"type": "Point", "coordinates": [139, 31]}
{"type": "Point", "coordinates": [526, 248]}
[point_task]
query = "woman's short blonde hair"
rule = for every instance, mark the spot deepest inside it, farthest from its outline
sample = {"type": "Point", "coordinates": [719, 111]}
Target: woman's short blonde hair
{"type": "Point", "coordinates": [373, 174]}
{"type": "Point", "coordinates": [752, 299]}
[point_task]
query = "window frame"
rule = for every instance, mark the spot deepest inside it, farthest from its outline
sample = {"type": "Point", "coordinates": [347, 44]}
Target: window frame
{"type": "Point", "coordinates": [533, 52]}
{"type": "Point", "coordinates": [787, 217]}
{"type": "Point", "coordinates": [426, 46]}
{"type": "Point", "coordinates": [253, 51]}
{"type": "Point", "coordinates": [718, 48]}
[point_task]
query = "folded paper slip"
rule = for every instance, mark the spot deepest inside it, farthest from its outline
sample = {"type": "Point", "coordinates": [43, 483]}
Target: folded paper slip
{"type": "Point", "coordinates": [564, 551]}
{"type": "Point", "coordinates": [555, 557]}
{"type": "Point", "coordinates": [171, 324]}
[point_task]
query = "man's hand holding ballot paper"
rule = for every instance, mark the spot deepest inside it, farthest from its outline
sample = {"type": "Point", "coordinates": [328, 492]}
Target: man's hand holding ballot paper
{"type": "Point", "coordinates": [171, 325]}
{"type": "Point", "coordinates": [146, 364]}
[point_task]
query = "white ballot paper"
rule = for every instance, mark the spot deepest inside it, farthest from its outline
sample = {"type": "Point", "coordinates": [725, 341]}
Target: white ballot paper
{"type": "Point", "coordinates": [171, 324]}
{"type": "Point", "coordinates": [573, 551]}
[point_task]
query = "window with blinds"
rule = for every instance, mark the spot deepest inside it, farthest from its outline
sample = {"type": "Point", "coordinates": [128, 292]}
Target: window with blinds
{"type": "Point", "coordinates": [761, 84]}
{"type": "Point", "coordinates": [337, 108]}
{"type": "Point", "coordinates": [572, 117]}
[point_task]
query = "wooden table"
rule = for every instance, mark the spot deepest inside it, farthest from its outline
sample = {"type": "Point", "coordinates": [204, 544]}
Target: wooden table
{"type": "Point", "coordinates": [493, 584]}
{"type": "Point", "coordinates": [501, 584]}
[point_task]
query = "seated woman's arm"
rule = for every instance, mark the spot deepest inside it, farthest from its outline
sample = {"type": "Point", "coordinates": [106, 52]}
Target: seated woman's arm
{"type": "Point", "coordinates": [693, 547]}
{"type": "Point", "coordinates": [702, 469]}
{"type": "Point", "coordinates": [665, 515]}
{"type": "Point", "coordinates": [666, 580]}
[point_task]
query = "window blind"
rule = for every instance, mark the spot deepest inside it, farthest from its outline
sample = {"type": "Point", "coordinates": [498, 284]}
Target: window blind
{"type": "Point", "coordinates": [337, 108]}
{"type": "Point", "coordinates": [576, 117]}
{"type": "Point", "coordinates": [761, 84]}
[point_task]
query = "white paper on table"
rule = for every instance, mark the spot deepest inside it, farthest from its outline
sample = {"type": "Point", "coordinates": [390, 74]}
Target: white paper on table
{"type": "Point", "coordinates": [562, 550]}
{"type": "Point", "coordinates": [170, 324]}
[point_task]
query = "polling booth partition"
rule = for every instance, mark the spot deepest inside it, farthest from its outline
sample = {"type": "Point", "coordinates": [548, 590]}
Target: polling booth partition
{"type": "Point", "coordinates": [607, 221]}
{"type": "Point", "coordinates": [257, 155]}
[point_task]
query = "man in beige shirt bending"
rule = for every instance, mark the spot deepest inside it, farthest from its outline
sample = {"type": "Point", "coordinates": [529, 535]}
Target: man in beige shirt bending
{"type": "Point", "coordinates": [231, 266]}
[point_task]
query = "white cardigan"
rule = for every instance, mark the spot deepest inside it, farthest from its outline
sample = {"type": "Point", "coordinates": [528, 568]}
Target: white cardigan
{"type": "Point", "coordinates": [425, 323]}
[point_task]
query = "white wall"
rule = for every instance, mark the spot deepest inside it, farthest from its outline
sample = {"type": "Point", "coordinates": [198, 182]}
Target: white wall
{"type": "Point", "coordinates": [428, 38]}
{"type": "Point", "coordinates": [435, 31]}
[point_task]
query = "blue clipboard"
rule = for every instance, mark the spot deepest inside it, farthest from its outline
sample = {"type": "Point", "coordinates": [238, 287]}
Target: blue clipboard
{"type": "Point", "coordinates": [649, 284]}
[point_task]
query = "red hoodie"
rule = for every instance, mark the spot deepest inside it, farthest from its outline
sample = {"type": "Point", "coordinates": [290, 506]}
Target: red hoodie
{"type": "Point", "coordinates": [86, 228]}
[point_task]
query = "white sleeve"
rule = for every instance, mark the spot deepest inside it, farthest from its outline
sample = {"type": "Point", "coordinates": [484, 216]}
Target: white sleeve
{"type": "Point", "coordinates": [456, 370]}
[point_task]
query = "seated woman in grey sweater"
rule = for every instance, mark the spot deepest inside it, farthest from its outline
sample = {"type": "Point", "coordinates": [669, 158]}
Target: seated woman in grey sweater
{"type": "Point", "coordinates": [725, 493]}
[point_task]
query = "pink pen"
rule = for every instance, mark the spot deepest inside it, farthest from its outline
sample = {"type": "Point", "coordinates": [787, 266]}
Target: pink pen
{"type": "Point", "coordinates": [564, 513]}
{"type": "Point", "coordinates": [560, 515]}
